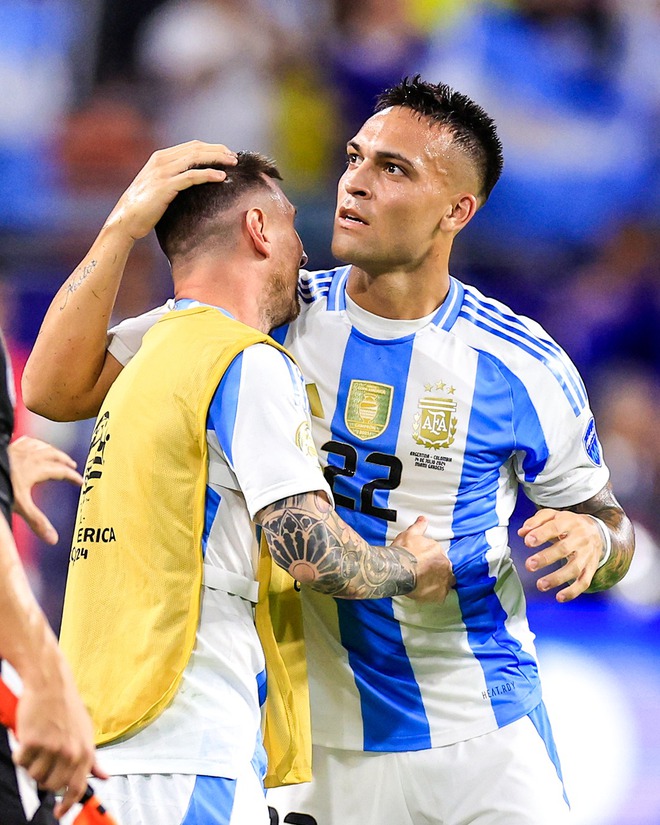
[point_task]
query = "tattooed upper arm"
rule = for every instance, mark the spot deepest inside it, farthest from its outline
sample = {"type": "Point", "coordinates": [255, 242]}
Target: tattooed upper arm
{"type": "Point", "coordinates": [307, 538]}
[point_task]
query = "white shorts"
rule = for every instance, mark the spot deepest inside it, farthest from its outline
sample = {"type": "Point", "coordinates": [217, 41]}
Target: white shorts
{"type": "Point", "coordinates": [181, 799]}
{"type": "Point", "coordinates": [507, 777]}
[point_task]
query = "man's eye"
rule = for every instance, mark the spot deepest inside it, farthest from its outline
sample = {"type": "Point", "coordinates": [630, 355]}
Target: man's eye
{"type": "Point", "coordinates": [393, 169]}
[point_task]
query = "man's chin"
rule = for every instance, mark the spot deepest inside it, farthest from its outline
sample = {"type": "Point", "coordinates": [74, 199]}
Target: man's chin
{"type": "Point", "coordinates": [349, 251]}
{"type": "Point", "coordinates": [342, 250]}
{"type": "Point", "coordinates": [286, 317]}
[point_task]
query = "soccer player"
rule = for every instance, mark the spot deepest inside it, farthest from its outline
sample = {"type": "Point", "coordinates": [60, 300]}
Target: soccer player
{"type": "Point", "coordinates": [428, 396]}
{"type": "Point", "coordinates": [54, 729]}
{"type": "Point", "coordinates": [206, 430]}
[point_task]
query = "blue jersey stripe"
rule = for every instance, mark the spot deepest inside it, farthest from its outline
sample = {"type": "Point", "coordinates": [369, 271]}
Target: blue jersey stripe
{"type": "Point", "coordinates": [545, 350]}
{"type": "Point", "coordinates": [211, 802]}
{"type": "Point", "coordinates": [224, 406]}
{"type": "Point", "coordinates": [391, 703]}
{"type": "Point", "coordinates": [541, 722]}
{"type": "Point", "coordinates": [451, 306]}
{"type": "Point", "coordinates": [314, 285]}
{"type": "Point", "coordinates": [279, 334]}
{"type": "Point", "coordinates": [510, 672]}
{"type": "Point", "coordinates": [262, 686]}
{"type": "Point", "coordinates": [337, 292]}
{"type": "Point", "coordinates": [527, 430]}
{"type": "Point", "coordinates": [211, 505]}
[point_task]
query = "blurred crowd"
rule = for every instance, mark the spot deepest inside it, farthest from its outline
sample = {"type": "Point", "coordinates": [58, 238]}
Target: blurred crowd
{"type": "Point", "coordinates": [570, 235]}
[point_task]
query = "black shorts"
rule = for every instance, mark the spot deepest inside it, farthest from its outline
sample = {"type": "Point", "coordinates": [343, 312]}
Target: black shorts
{"type": "Point", "coordinates": [11, 806]}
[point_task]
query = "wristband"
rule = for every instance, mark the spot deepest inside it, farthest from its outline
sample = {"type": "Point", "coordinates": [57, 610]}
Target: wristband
{"type": "Point", "coordinates": [606, 536]}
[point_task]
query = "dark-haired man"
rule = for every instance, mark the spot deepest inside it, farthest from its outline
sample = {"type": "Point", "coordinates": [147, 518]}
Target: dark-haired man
{"type": "Point", "coordinates": [206, 430]}
{"type": "Point", "coordinates": [428, 396]}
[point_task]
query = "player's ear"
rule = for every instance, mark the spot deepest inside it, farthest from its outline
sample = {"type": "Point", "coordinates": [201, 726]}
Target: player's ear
{"type": "Point", "coordinates": [460, 213]}
{"type": "Point", "coordinates": [255, 226]}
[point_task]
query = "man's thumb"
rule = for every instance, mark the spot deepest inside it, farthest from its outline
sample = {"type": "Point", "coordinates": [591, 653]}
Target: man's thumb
{"type": "Point", "coordinates": [418, 527]}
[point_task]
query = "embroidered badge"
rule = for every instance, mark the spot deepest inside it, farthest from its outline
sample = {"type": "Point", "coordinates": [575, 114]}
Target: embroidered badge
{"type": "Point", "coordinates": [304, 440]}
{"type": "Point", "coordinates": [368, 409]}
{"type": "Point", "coordinates": [592, 444]}
{"type": "Point", "coordinates": [435, 422]}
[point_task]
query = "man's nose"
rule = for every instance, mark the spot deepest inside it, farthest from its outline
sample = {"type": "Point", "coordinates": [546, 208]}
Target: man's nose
{"type": "Point", "coordinates": [356, 182]}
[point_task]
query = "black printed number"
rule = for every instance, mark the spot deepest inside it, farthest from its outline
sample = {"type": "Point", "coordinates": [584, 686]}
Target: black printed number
{"type": "Point", "coordinates": [291, 819]}
{"type": "Point", "coordinates": [389, 482]}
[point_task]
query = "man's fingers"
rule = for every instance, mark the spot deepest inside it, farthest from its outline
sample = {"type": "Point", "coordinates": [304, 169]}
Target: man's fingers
{"type": "Point", "coordinates": [38, 762]}
{"type": "Point", "coordinates": [571, 592]}
{"type": "Point", "coordinates": [193, 177]}
{"type": "Point", "coordinates": [57, 471]}
{"type": "Point", "coordinates": [98, 772]}
{"type": "Point", "coordinates": [201, 151]}
{"type": "Point", "coordinates": [418, 527]}
{"type": "Point", "coordinates": [38, 522]}
{"type": "Point", "coordinates": [74, 790]}
{"type": "Point", "coordinates": [545, 557]}
{"type": "Point", "coordinates": [51, 453]}
{"type": "Point", "coordinates": [166, 173]}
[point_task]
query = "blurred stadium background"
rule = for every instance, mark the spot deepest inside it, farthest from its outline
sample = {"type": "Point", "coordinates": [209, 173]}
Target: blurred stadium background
{"type": "Point", "coordinates": [570, 236]}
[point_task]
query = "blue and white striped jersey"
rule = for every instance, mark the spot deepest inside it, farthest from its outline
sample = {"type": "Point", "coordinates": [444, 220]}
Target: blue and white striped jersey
{"type": "Point", "coordinates": [443, 417]}
{"type": "Point", "coordinates": [259, 452]}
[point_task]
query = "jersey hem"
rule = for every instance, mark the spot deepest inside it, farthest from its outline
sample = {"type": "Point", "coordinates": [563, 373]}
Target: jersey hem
{"type": "Point", "coordinates": [285, 491]}
{"type": "Point", "coordinates": [438, 740]}
{"type": "Point", "coordinates": [192, 767]}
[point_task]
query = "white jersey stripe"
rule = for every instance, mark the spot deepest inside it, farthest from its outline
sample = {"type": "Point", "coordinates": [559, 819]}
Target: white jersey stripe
{"type": "Point", "coordinates": [550, 362]}
{"type": "Point", "coordinates": [509, 324]}
{"type": "Point", "coordinates": [512, 322]}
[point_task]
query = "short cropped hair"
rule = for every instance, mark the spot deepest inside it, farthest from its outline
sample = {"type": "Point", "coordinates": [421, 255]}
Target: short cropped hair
{"type": "Point", "coordinates": [192, 215]}
{"type": "Point", "coordinates": [472, 130]}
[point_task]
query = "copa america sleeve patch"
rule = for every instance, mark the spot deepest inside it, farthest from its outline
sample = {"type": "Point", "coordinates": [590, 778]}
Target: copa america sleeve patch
{"type": "Point", "coordinates": [592, 444]}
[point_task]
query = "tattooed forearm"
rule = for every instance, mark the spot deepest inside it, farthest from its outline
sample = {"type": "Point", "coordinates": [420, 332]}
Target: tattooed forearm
{"type": "Point", "coordinates": [307, 538]}
{"type": "Point", "coordinates": [76, 282]}
{"type": "Point", "coordinates": [605, 506]}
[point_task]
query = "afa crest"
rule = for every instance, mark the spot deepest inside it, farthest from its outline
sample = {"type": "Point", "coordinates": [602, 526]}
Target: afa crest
{"type": "Point", "coordinates": [435, 422]}
{"type": "Point", "coordinates": [368, 409]}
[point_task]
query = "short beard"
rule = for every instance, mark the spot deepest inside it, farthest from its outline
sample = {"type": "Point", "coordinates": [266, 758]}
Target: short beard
{"type": "Point", "coordinates": [279, 308]}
